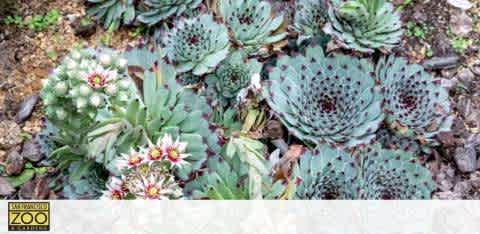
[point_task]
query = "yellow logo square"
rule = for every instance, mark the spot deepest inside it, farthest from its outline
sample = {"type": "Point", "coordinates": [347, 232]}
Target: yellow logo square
{"type": "Point", "coordinates": [28, 216]}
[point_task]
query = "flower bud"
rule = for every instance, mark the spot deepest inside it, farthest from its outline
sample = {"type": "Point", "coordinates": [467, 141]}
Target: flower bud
{"type": "Point", "coordinates": [122, 63]}
{"type": "Point", "coordinates": [61, 114]}
{"type": "Point", "coordinates": [81, 103]}
{"type": "Point", "coordinates": [96, 100]}
{"type": "Point", "coordinates": [105, 59]}
{"type": "Point", "coordinates": [111, 89]}
{"type": "Point", "coordinates": [84, 90]}
{"type": "Point", "coordinates": [124, 84]}
{"type": "Point", "coordinates": [61, 88]}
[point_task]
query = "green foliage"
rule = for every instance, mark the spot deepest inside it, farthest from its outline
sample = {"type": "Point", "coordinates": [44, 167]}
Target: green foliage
{"type": "Point", "coordinates": [415, 104]}
{"type": "Point", "coordinates": [325, 99]}
{"type": "Point", "coordinates": [197, 44]}
{"type": "Point", "coordinates": [243, 174]}
{"type": "Point", "coordinates": [417, 30]}
{"type": "Point", "coordinates": [231, 76]}
{"type": "Point", "coordinates": [365, 25]}
{"type": "Point", "coordinates": [113, 13]}
{"type": "Point", "coordinates": [36, 22]}
{"type": "Point", "coordinates": [331, 173]}
{"type": "Point", "coordinates": [158, 10]}
{"type": "Point", "coordinates": [252, 23]}
{"type": "Point", "coordinates": [460, 44]}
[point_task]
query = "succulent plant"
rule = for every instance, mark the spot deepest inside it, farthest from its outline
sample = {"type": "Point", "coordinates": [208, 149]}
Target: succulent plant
{"type": "Point", "coordinates": [364, 25]}
{"type": "Point", "coordinates": [86, 82]}
{"type": "Point", "coordinates": [231, 76]}
{"type": "Point", "coordinates": [197, 44]}
{"type": "Point", "coordinates": [331, 173]}
{"type": "Point", "coordinates": [89, 185]}
{"type": "Point", "coordinates": [310, 18]}
{"type": "Point", "coordinates": [326, 173]}
{"type": "Point", "coordinates": [112, 13]}
{"type": "Point", "coordinates": [393, 175]}
{"type": "Point", "coordinates": [252, 22]}
{"type": "Point", "coordinates": [166, 108]}
{"type": "Point", "coordinates": [415, 105]}
{"type": "Point", "coordinates": [321, 99]}
{"type": "Point", "coordinates": [158, 10]}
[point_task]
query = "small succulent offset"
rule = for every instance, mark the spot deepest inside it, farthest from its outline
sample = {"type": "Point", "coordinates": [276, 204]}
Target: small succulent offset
{"type": "Point", "coordinates": [232, 75]}
{"type": "Point", "coordinates": [147, 174]}
{"type": "Point", "coordinates": [364, 25]}
{"type": "Point", "coordinates": [159, 10]}
{"type": "Point", "coordinates": [86, 82]}
{"type": "Point", "coordinates": [321, 99]}
{"type": "Point", "coordinates": [112, 13]}
{"type": "Point", "coordinates": [197, 44]}
{"type": "Point", "coordinates": [390, 140]}
{"type": "Point", "coordinates": [415, 105]}
{"type": "Point", "coordinates": [252, 22]}
{"type": "Point", "coordinates": [331, 173]}
{"type": "Point", "coordinates": [310, 18]}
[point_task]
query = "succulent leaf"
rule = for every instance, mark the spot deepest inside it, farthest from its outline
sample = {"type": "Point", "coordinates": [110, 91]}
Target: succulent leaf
{"type": "Point", "coordinates": [364, 25]}
{"type": "Point", "coordinates": [310, 18]}
{"type": "Point", "coordinates": [321, 99]}
{"type": "Point", "coordinates": [159, 10]}
{"type": "Point", "coordinates": [112, 13]}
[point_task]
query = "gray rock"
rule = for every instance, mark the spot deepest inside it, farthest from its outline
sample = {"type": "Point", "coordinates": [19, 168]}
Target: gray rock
{"type": "Point", "coordinates": [461, 24]}
{"type": "Point", "coordinates": [25, 109]}
{"type": "Point", "coordinates": [31, 151]}
{"type": "Point", "coordinates": [15, 162]}
{"type": "Point", "coordinates": [442, 62]}
{"type": "Point", "coordinates": [466, 159]}
{"type": "Point", "coordinates": [5, 188]}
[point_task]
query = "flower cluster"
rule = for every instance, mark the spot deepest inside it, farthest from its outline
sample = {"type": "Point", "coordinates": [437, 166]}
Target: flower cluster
{"type": "Point", "coordinates": [148, 173]}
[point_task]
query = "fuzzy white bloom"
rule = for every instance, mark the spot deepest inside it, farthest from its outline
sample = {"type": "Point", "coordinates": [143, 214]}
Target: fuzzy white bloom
{"type": "Point", "coordinates": [61, 88]}
{"type": "Point", "coordinates": [45, 82]}
{"type": "Point", "coordinates": [122, 63]}
{"type": "Point", "coordinates": [74, 92]}
{"type": "Point", "coordinates": [61, 114]}
{"type": "Point", "coordinates": [76, 55]}
{"type": "Point", "coordinates": [105, 59]}
{"type": "Point", "coordinates": [255, 82]}
{"type": "Point", "coordinates": [124, 84]}
{"type": "Point", "coordinates": [84, 90]}
{"type": "Point", "coordinates": [96, 100]}
{"type": "Point", "coordinates": [84, 64]}
{"type": "Point", "coordinates": [71, 64]}
{"type": "Point", "coordinates": [122, 96]}
{"type": "Point", "coordinates": [81, 103]}
{"type": "Point", "coordinates": [111, 89]}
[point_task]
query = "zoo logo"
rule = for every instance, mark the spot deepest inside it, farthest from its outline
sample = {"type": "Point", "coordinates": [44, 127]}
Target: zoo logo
{"type": "Point", "coordinates": [28, 216]}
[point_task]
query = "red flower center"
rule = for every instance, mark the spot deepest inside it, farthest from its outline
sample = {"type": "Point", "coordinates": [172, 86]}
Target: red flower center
{"type": "Point", "coordinates": [134, 160]}
{"type": "Point", "coordinates": [155, 154]}
{"type": "Point", "coordinates": [116, 195]}
{"type": "Point", "coordinates": [173, 154]}
{"type": "Point", "coordinates": [96, 80]}
{"type": "Point", "coordinates": [152, 192]}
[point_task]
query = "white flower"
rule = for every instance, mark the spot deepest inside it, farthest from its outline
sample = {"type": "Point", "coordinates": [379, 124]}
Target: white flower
{"type": "Point", "coordinates": [115, 190]}
{"type": "Point", "coordinates": [133, 159]}
{"type": "Point", "coordinates": [105, 59]}
{"type": "Point", "coordinates": [124, 83]}
{"type": "Point", "coordinates": [84, 90]}
{"type": "Point", "coordinates": [96, 100]}
{"type": "Point", "coordinates": [81, 103]}
{"type": "Point", "coordinates": [174, 152]}
{"type": "Point", "coordinates": [122, 63]}
{"type": "Point", "coordinates": [61, 114]}
{"type": "Point", "coordinates": [71, 64]}
{"type": "Point", "coordinates": [76, 55]}
{"type": "Point", "coordinates": [99, 78]}
{"type": "Point", "coordinates": [255, 82]}
{"type": "Point", "coordinates": [111, 89]}
{"type": "Point", "coordinates": [155, 187]}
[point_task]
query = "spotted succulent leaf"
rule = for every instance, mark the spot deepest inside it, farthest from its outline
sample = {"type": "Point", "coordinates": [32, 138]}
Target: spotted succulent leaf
{"type": "Point", "coordinates": [252, 22]}
{"type": "Point", "coordinates": [310, 18]}
{"type": "Point", "coordinates": [326, 173]}
{"type": "Point", "coordinates": [364, 25]}
{"type": "Point", "coordinates": [232, 75]}
{"type": "Point", "coordinates": [416, 105]}
{"type": "Point", "coordinates": [391, 174]}
{"type": "Point", "coordinates": [112, 13]}
{"type": "Point", "coordinates": [320, 100]}
{"type": "Point", "coordinates": [159, 10]}
{"type": "Point", "coordinates": [197, 44]}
